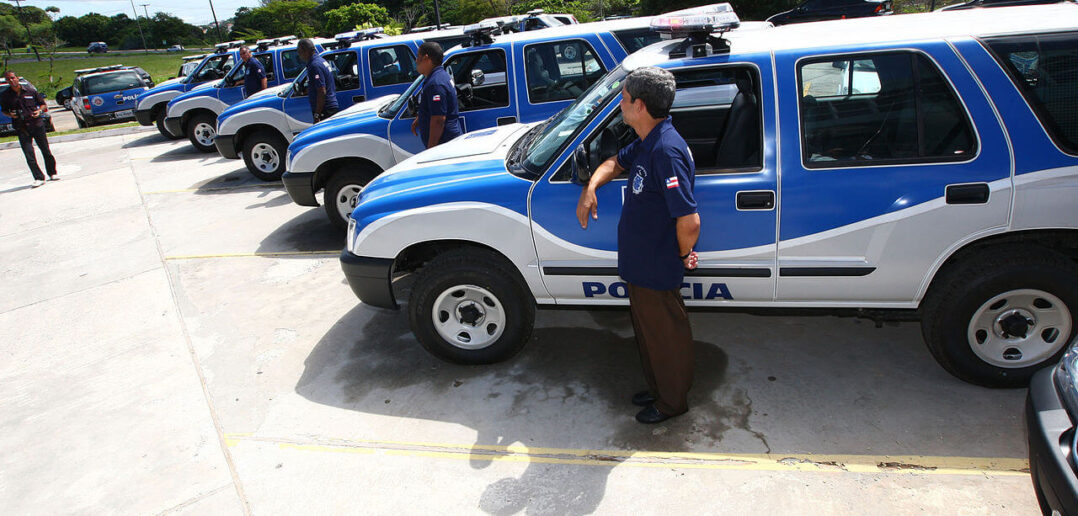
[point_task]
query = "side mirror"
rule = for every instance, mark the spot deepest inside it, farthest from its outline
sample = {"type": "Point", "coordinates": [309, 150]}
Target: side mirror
{"type": "Point", "coordinates": [478, 78]}
{"type": "Point", "coordinates": [581, 166]}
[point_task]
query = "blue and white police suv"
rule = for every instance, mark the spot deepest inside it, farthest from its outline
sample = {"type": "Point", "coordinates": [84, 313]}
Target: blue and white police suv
{"type": "Point", "coordinates": [918, 166]}
{"type": "Point", "coordinates": [105, 95]}
{"type": "Point", "coordinates": [195, 113]}
{"type": "Point", "coordinates": [366, 66]}
{"type": "Point", "coordinates": [152, 105]}
{"type": "Point", "coordinates": [500, 80]}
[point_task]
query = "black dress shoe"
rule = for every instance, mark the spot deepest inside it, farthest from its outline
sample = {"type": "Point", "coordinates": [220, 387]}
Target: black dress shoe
{"type": "Point", "coordinates": [643, 399]}
{"type": "Point", "coordinates": [651, 415]}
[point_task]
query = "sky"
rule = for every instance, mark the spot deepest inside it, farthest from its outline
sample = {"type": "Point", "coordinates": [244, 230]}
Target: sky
{"type": "Point", "coordinates": [192, 11]}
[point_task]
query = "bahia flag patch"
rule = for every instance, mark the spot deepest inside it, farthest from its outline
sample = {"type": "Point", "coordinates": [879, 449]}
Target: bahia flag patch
{"type": "Point", "coordinates": [671, 182]}
{"type": "Point", "coordinates": [436, 98]}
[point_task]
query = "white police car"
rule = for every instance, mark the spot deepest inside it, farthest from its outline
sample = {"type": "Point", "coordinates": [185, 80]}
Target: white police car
{"type": "Point", "coordinates": [946, 193]}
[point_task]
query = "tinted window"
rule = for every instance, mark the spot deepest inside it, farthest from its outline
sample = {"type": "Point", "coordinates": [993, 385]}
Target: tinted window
{"type": "Point", "coordinates": [215, 67]}
{"type": "Point", "coordinates": [879, 109]}
{"type": "Point", "coordinates": [345, 68]}
{"type": "Point", "coordinates": [560, 70]}
{"type": "Point", "coordinates": [112, 82]}
{"type": "Point", "coordinates": [634, 40]}
{"type": "Point", "coordinates": [267, 64]}
{"type": "Point", "coordinates": [291, 65]}
{"type": "Point", "coordinates": [1045, 69]}
{"type": "Point", "coordinates": [480, 79]}
{"type": "Point", "coordinates": [392, 65]}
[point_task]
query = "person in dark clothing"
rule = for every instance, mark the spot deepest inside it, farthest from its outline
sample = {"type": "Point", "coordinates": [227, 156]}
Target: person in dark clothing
{"type": "Point", "coordinates": [254, 74]}
{"type": "Point", "coordinates": [658, 228]}
{"type": "Point", "coordinates": [322, 89]}
{"type": "Point", "coordinates": [437, 120]}
{"type": "Point", "coordinates": [25, 105]}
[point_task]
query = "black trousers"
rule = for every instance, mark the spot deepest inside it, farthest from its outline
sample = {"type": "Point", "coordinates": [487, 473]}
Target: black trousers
{"type": "Point", "coordinates": [26, 138]}
{"type": "Point", "coordinates": [664, 339]}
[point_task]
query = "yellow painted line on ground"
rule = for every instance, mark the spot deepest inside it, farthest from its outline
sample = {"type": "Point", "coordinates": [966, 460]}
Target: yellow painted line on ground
{"type": "Point", "coordinates": [215, 188]}
{"type": "Point", "coordinates": [251, 255]}
{"type": "Point", "coordinates": [873, 464]}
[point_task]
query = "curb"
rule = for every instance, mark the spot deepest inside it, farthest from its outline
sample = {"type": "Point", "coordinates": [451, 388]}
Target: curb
{"type": "Point", "coordinates": [86, 136]}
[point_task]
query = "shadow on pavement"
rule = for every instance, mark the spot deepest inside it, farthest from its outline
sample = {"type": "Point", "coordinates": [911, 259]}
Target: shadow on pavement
{"type": "Point", "coordinates": [186, 152]}
{"type": "Point", "coordinates": [146, 140]}
{"type": "Point", "coordinates": [308, 232]}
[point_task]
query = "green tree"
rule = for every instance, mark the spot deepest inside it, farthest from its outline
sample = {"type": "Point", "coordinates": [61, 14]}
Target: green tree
{"type": "Point", "coordinates": [10, 34]}
{"type": "Point", "coordinates": [348, 17]}
{"type": "Point", "coordinates": [581, 9]}
{"type": "Point", "coordinates": [279, 17]}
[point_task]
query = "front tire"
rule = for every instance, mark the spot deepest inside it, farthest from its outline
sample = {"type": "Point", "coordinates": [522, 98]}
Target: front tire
{"type": "Point", "coordinates": [159, 121]}
{"type": "Point", "coordinates": [201, 129]}
{"type": "Point", "coordinates": [999, 317]}
{"type": "Point", "coordinates": [263, 153]}
{"type": "Point", "coordinates": [343, 189]}
{"type": "Point", "coordinates": [469, 306]}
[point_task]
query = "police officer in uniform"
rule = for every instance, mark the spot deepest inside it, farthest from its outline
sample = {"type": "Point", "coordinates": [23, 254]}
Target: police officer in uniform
{"type": "Point", "coordinates": [321, 87]}
{"type": "Point", "coordinates": [254, 74]}
{"type": "Point", "coordinates": [438, 120]}
{"type": "Point", "coordinates": [658, 228]}
{"type": "Point", "coordinates": [25, 105]}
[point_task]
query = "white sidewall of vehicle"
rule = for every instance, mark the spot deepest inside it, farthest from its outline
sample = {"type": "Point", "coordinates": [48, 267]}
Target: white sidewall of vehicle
{"type": "Point", "coordinates": [372, 148]}
{"type": "Point", "coordinates": [274, 118]}
{"type": "Point", "coordinates": [201, 102]}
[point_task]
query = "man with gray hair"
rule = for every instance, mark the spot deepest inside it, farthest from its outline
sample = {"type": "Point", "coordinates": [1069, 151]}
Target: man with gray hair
{"type": "Point", "coordinates": [658, 228]}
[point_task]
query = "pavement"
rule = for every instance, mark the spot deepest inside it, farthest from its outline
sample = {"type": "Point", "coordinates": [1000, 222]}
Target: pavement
{"type": "Point", "coordinates": [178, 338]}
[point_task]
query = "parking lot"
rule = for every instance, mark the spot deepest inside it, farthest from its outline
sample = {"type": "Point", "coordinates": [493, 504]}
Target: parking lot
{"type": "Point", "coordinates": [178, 338]}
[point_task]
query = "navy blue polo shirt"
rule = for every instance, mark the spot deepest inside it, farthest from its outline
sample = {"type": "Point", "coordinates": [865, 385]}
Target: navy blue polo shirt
{"type": "Point", "coordinates": [319, 76]}
{"type": "Point", "coordinates": [24, 103]}
{"type": "Point", "coordinates": [438, 98]}
{"type": "Point", "coordinates": [661, 178]}
{"type": "Point", "coordinates": [253, 73]}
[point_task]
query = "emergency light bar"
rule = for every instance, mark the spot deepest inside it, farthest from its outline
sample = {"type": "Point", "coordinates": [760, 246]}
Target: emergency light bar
{"type": "Point", "coordinates": [347, 38]}
{"type": "Point", "coordinates": [536, 12]}
{"type": "Point", "coordinates": [101, 69]}
{"type": "Point", "coordinates": [263, 44]}
{"type": "Point", "coordinates": [221, 48]}
{"type": "Point", "coordinates": [696, 25]}
{"type": "Point", "coordinates": [192, 58]}
{"type": "Point", "coordinates": [481, 33]}
{"type": "Point", "coordinates": [430, 28]}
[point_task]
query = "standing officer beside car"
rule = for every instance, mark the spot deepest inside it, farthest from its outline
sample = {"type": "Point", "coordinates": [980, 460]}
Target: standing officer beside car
{"type": "Point", "coordinates": [437, 120]}
{"type": "Point", "coordinates": [254, 74]}
{"type": "Point", "coordinates": [25, 105]}
{"type": "Point", "coordinates": [321, 88]}
{"type": "Point", "coordinates": [658, 228]}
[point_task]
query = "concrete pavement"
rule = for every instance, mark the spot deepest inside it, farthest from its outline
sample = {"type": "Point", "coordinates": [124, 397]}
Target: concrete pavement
{"type": "Point", "coordinates": [178, 338]}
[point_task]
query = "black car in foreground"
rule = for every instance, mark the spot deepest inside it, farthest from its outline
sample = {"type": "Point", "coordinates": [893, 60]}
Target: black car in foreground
{"type": "Point", "coordinates": [1051, 412]}
{"type": "Point", "coordinates": [822, 10]}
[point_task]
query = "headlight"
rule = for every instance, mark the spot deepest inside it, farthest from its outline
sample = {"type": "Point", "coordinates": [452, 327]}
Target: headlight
{"type": "Point", "coordinates": [1067, 377]}
{"type": "Point", "coordinates": [351, 233]}
{"type": "Point", "coordinates": [288, 159]}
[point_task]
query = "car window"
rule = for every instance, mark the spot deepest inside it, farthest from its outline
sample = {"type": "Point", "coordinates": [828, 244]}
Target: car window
{"type": "Point", "coordinates": [112, 82]}
{"type": "Point", "coordinates": [480, 79]}
{"type": "Point", "coordinates": [267, 64]}
{"type": "Point", "coordinates": [1045, 69]}
{"type": "Point", "coordinates": [560, 70]}
{"type": "Point", "coordinates": [215, 67]}
{"type": "Point", "coordinates": [345, 68]}
{"type": "Point", "coordinates": [291, 65]}
{"type": "Point", "coordinates": [392, 65]}
{"type": "Point", "coordinates": [450, 42]}
{"type": "Point", "coordinates": [885, 108]}
{"type": "Point", "coordinates": [633, 40]}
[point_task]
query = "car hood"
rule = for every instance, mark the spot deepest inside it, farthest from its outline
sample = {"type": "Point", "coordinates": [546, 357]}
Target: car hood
{"type": "Point", "coordinates": [490, 143]}
{"type": "Point", "coordinates": [363, 122]}
{"type": "Point", "coordinates": [272, 90]}
{"type": "Point", "coordinates": [174, 80]}
{"type": "Point", "coordinates": [199, 91]}
{"type": "Point", "coordinates": [370, 105]}
{"type": "Point", "coordinates": [253, 102]}
{"type": "Point", "coordinates": [168, 85]}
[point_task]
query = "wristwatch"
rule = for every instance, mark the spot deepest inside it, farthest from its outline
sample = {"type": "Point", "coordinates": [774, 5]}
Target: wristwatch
{"type": "Point", "coordinates": [687, 254]}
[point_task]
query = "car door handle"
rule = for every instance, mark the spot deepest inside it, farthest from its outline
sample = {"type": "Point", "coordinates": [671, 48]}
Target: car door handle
{"type": "Point", "coordinates": [118, 97]}
{"type": "Point", "coordinates": [356, 99]}
{"type": "Point", "coordinates": [973, 193]}
{"type": "Point", "coordinates": [756, 200]}
{"type": "Point", "coordinates": [506, 120]}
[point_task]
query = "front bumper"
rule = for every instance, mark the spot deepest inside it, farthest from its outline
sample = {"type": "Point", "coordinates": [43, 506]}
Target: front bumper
{"type": "Point", "coordinates": [174, 125]}
{"type": "Point", "coordinates": [1050, 432]}
{"type": "Point", "coordinates": [300, 187]}
{"type": "Point", "coordinates": [370, 279]}
{"type": "Point", "coordinates": [226, 145]}
{"type": "Point", "coordinates": [144, 116]}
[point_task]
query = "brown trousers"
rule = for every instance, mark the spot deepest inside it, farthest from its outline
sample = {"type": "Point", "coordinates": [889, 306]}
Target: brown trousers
{"type": "Point", "coordinates": [664, 338]}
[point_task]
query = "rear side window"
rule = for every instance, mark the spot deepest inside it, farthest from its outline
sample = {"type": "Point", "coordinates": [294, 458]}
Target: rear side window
{"type": "Point", "coordinates": [633, 40]}
{"type": "Point", "coordinates": [480, 79]}
{"type": "Point", "coordinates": [1045, 69]}
{"type": "Point", "coordinates": [267, 64]}
{"type": "Point", "coordinates": [291, 65]}
{"type": "Point", "coordinates": [877, 109]}
{"type": "Point", "coordinates": [561, 70]}
{"type": "Point", "coordinates": [112, 82]}
{"type": "Point", "coordinates": [392, 65]}
{"type": "Point", "coordinates": [345, 70]}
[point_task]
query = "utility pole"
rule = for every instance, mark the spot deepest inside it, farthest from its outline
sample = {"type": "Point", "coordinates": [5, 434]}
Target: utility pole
{"type": "Point", "coordinates": [437, 16]}
{"type": "Point", "coordinates": [214, 13]}
{"type": "Point", "coordinates": [29, 38]}
{"type": "Point", "coordinates": [137, 22]}
{"type": "Point", "coordinates": [148, 21]}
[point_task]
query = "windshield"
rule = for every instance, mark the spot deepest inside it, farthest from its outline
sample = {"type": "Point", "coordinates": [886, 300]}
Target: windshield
{"type": "Point", "coordinates": [390, 110]}
{"type": "Point", "coordinates": [561, 128]}
{"type": "Point", "coordinates": [112, 82]}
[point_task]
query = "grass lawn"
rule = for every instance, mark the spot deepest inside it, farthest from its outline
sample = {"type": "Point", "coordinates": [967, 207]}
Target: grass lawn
{"type": "Point", "coordinates": [160, 66]}
{"type": "Point", "coordinates": [77, 131]}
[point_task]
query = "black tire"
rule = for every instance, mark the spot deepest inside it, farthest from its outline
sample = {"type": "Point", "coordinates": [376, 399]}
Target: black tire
{"type": "Point", "coordinates": [80, 123]}
{"type": "Point", "coordinates": [193, 126]}
{"type": "Point", "coordinates": [469, 268]}
{"type": "Point", "coordinates": [963, 288]}
{"type": "Point", "coordinates": [342, 184]}
{"type": "Point", "coordinates": [274, 140]}
{"type": "Point", "coordinates": [159, 121]}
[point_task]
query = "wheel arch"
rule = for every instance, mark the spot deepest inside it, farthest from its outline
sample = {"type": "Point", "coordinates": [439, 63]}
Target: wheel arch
{"type": "Point", "coordinates": [415, 256]}
{"type": "Point", "coordinates": [248, 130]}
{"type": "Point", "coordinates": [326, 169]}
{"type": "Point", "coordinates": [191, 113]}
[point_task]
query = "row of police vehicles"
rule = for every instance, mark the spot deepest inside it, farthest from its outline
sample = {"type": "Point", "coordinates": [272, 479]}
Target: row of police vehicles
{"type": "Point", "coordinates": [913, 168]}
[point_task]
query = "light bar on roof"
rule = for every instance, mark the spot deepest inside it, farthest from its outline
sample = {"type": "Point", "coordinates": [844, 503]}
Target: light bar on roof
{"type": "Point", "coordinates": [483, 26]}
{"type": "Point", "coordinates": [536, 12]}
{"type": "Point", "coordinates": [357, 35]}
{"type": "Point", "coordinates": [222, 47]}
{"type": "Point", "coordinates": [708, 18]}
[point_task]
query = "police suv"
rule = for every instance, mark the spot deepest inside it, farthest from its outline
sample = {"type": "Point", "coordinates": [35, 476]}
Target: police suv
{"type": "Point", "coordinates": [500, 80]}
{"type": "Point", "coordinates": [195, 113]}
{"type": "Point", "coordinates": [105, 95]}
{"type": "Point", "coordinates": [365, 64]}
{"type": "Point", "coordinates": [151, 106]}
{"type": "Point", "coordinates": [918, 166]}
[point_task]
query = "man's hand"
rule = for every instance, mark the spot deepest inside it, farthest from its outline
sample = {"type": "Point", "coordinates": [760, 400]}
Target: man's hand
{"type": "Point", "coordinates": [691, 261]}
{"type": "Point", "coordinates": [587, 205]}
{"type": "Point", "coordinates": [414, 122]}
